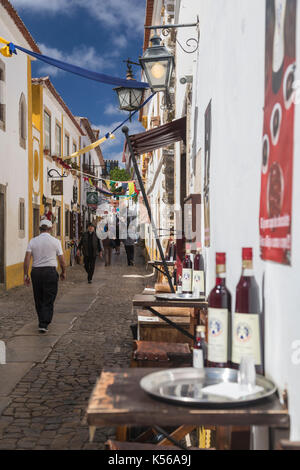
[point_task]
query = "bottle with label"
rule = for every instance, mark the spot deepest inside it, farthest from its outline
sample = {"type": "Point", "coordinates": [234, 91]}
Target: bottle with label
{"type": "Point", "coordinates": [179, 285]}
{"type": "Point", "coordinates": [219, 318]}
{"type": "Point", "coordinates": [172, 251]}
{"type": "Point", "coordinates": [199, 348]}
{"type": "Point", "coordinates": [198, 273]}
{"type": "Point", "coordinates": [187, 272]}
{"type": "Point", "coordinates": [247, 319]}
{"type": "Point", "coordinates": [174, 277]}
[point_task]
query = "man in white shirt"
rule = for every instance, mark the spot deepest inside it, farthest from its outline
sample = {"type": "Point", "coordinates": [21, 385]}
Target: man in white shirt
{"type": "Point", "coordinates": [44, 250]}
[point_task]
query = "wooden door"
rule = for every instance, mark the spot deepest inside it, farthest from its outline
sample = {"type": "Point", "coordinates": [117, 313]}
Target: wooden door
{"type": "Point", "coordinates": [36, 222]}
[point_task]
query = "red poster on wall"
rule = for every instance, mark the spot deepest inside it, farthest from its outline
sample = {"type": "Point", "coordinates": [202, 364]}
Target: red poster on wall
{"type": "Point", "coordinates": [278, 133]}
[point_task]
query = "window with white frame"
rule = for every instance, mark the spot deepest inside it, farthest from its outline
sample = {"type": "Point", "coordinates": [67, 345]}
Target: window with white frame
{"type": "Point", "coordinates": [21, 218]}
{"type": "Point", "coordinates": [57, 140]}
{"type": "Point", "coordinates": [22, 121]}
{"type": "Point", "coordinates": [47, 132]}
{"type": "Point", "coordinates": [67, 145]}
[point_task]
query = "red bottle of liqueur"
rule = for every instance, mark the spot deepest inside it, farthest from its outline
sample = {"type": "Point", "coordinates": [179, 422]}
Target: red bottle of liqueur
{"type": "Point", "coordinates": [187, 272]}
{"type": "Point", "coordinates": [247, 319]}
{"type": "Point", "coordinates": [219, 318]}
{"type": "Point", "coordinates": [198, 273]}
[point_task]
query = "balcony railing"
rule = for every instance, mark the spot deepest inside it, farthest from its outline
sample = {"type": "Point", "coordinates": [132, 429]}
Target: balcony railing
{"type": "Point", "coordinates": [88, 169]}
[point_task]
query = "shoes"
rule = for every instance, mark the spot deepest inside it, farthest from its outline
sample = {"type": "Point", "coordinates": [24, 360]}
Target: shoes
{"type": "Point", "coordinates": [90, 282]}
{"type": "Point", "coordinates": [43, 330]}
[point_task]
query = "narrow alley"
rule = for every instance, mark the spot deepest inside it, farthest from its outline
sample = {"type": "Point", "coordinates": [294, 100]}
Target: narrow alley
{"type": "Point", "coordinates": [90, 330]}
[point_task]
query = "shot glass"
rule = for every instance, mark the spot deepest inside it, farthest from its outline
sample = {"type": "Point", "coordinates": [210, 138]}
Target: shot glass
{"type": "Point", "coordinates": [247, 374]}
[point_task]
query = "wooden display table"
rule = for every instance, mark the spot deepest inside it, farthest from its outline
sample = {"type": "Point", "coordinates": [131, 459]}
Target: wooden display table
{"type": "Point", "coordinates": [146, 301]}
{"type": "Point", "coordinates": [118, 400]}
{"type": "Point", "coordinates": [151, 304]}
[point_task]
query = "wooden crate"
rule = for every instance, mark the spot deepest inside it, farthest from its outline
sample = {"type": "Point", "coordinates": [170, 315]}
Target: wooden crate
{"type": "Point", "coordinates": [158, 354]}
{"type": "Point", "coordinates": [152, 328]}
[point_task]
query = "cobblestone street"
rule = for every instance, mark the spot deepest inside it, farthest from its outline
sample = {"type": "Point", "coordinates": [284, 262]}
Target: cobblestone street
{"type": "Point", "coordinates": [46, 409]}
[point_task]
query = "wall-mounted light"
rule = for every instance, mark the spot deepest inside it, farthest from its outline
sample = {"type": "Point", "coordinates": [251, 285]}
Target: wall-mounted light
{"type": "Point", "coordinates": [129, 98]}
{"type": "Point", "coordinates": [158, 64]}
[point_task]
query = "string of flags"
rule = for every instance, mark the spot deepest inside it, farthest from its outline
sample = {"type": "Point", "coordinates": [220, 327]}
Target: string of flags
{"type": "Point", "coordinates": [10, 48]}
{"type": "Point", "coordinates": [116, 189]}
{"type": "Point", "coordinates": [120, 189]}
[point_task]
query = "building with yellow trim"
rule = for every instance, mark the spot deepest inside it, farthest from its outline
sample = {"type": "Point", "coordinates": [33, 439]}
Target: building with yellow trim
{"type": "Point", "coordinates": [55, 135]}
{"type": "Point", "coordinates": [15, 148]}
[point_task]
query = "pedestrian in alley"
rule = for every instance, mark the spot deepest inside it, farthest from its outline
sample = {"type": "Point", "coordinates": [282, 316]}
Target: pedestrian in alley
{"type": "Point", "coordinates": [130, 241]}
{"type": "Point", "coordinates": [117, 242]}
{"type": "Point", "coordinates": [108, 245]}
{"type": "Point", "coordinates": [90, 246]}
{"type": "Point", "coordinates": [44, 249]}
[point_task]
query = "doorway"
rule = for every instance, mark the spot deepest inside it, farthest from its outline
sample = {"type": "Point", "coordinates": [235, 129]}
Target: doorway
{"type": "Point", "coordinates": [36, 220]}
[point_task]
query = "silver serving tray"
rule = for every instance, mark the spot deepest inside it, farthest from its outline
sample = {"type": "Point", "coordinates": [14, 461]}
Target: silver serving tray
{"type": "Point", "coordinates": [177, 296]}
{"type": "Point", "coordinates": [183, 386]}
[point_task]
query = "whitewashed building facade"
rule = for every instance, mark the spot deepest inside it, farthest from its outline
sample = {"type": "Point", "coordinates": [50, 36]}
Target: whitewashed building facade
{"type": "Point", "coordinates": [15, 148]}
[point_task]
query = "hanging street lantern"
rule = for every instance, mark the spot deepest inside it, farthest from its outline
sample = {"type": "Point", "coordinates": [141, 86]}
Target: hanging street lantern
{"type": "Point", "coordinates": [158, 64]}
{"type": "Point", "coordinates": [129, 98]}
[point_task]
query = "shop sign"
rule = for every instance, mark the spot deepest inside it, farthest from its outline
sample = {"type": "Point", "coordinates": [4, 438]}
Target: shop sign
{"type": "Point", "coordinates": [57, 188]}
{"type": "Point", "coordinates": [275, 216]}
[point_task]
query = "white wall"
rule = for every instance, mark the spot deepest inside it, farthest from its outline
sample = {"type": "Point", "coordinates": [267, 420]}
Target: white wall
{"type": "Point", "coordinates": [230, 72]}
{"type": "Point", "coordinates": [13, 158]}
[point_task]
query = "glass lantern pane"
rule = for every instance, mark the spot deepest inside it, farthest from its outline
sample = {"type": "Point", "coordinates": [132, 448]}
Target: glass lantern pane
{"type": "Point", "coordinates": [129, 98]}
{"type": "Point", "coordinates": [136, 97]}
{"type": "Point", "coordinates": [157, 73]}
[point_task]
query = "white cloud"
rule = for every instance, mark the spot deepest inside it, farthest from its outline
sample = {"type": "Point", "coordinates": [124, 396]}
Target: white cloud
{"type": "Point", "coordinates": [51, 6]}
{"type": "Point", "coordinates": [129, 14]}
{"type": "Point", "coordinates": [88, 58]}
{"type": "Point", "coordinates": [112, 109]}
{"type": "Point", "coordinates": [120, 41]}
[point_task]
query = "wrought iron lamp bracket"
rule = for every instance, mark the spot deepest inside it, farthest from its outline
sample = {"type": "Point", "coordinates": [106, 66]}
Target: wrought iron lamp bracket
{"type": "Point", "coordinates": [166, 29]}
{"type": "Point", "coordinates": [58, 175]}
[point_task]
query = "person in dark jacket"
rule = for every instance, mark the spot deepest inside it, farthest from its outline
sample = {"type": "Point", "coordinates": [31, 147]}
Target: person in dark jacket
{"type": "Point", "coordinates": [129, 241]}
{"type": "Point", "coordinates": [90, 246]}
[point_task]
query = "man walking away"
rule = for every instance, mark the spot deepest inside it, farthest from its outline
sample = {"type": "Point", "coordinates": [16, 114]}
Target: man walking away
{"type": "Point", "coordinates": [129, 242]}
{"type": "Point", "coordinates": [44, 249]}
{"type": "Point", "coordinates": [90, 246]}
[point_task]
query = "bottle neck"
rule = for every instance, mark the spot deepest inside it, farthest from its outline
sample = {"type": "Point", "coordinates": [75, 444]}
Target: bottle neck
{"type": "Point", "coordinates": [220, 274]}
{"type": "Point", "coordinates": [247, 268]}
{"type": "Point", "coordinates": [199, 336]}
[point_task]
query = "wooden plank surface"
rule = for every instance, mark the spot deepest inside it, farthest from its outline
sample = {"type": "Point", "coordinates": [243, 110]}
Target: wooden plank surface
{"type": "Point", "coordinates": [160, 263]}
{"type": "Point", "coordinates": [169, 311]}
{"type": "Point", "coordinates": [142, 300]}
{"type": "Point", "coordinates": [118, 399]}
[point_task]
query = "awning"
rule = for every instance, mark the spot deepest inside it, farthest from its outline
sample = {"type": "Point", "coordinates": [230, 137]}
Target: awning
{"type": "Point", "coordinates": [159, 137]}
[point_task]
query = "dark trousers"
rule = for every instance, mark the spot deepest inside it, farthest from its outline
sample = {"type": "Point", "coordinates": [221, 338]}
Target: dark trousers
{"type": "Point", "coordinates": [107, 255]}
{"type": "Point", "coordinates": [130, 254]}
{"type": "Point", "coordinates": [45, 286]}
{"type": "Point", "coordinates": [89, 265]}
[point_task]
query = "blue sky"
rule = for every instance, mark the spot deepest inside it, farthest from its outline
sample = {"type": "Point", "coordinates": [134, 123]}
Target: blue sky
{"type": "Point", "coordinates": [94, 34]}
